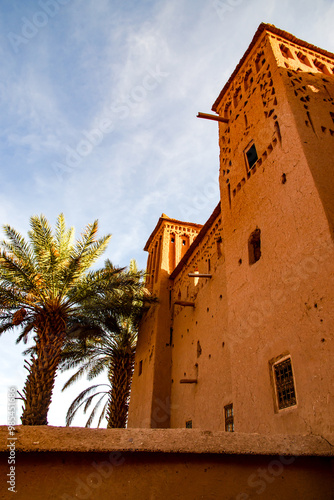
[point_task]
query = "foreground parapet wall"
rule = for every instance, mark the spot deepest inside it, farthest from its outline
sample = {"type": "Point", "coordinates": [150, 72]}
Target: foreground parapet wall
{"type": "Point", "coordinates": [71, 463]}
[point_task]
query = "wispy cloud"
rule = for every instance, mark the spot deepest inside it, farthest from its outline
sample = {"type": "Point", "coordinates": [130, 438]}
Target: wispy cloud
{"type": "Point", "coordinates": [148, 68]}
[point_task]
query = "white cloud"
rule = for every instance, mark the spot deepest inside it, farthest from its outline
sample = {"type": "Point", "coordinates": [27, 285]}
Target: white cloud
{"type": "Point", "coordinates": [159, 156]}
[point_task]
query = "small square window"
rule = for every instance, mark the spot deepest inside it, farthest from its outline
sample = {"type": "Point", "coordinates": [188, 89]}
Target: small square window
{"type": "Point", "coordinates": [189, 424]}
{"type": "Point", "coordinates": [251, 155]}
{"type": "Point", "coordinates": [284, 384]}
{"type": "Point", "coordinates": [229, 418]}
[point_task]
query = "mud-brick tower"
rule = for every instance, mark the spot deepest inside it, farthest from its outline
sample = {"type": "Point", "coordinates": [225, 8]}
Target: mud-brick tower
{"type": "Point", "coordinates": [255, 351]}
{"type": "Point", "coordinates": [277, 198]}
{"type": "Point", "coordinates": [150, 395]}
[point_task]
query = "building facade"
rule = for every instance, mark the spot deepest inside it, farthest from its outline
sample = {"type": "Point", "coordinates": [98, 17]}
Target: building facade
{"type": "Point", "coordinates": [242, 337]}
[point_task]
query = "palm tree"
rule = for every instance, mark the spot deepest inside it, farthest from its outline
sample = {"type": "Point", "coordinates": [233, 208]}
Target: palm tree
{"type": "Point", "coordinates": [111, 348]}
{"type": "Point", "coordinates": [42, 283]}
{"type": "Point", "coordinates": [114, 353]}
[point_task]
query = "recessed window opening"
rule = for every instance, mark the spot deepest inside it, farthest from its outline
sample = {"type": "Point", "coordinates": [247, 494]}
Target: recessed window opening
{"type": "Point", "coordinates": [140, 368]}
{"type": "Point", "coordinates": [189, 424]}
{"type": "Point", "coordinates": [251, 156]}
{"type": "Point", "coordinates": [227, 110]}
{"type": "Point", "coordinates": [229, 418]}
{"type": "Point", "coordinates": [237, 96]}
{"type": "Point", "coordinates": [321, 67]}
{"type": "Point", "coordinates": [254, 246]}
{"type": "Point", "coordinates": [286, 51]}
{"type": "Point", "coordinates": [258, 62]}
{"type": "Point", "coordinates": [302, 57]}
{"type": "Point", "coordinates": [219, 243]}
{"type": "Point", "coordinates": [247, 80]}
{"type": "Point", "coordinates": [284, 384]}
{"type": "Point", "coordinates": [170, 336]}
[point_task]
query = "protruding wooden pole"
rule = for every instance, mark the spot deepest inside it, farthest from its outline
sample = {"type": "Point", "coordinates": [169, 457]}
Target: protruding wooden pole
{"type": "Point", "coordinates": [213, 117]}
{"type": "Point", "coordinates": [199, 275]}
{"type": "Point", "coordinates": [184, 303]}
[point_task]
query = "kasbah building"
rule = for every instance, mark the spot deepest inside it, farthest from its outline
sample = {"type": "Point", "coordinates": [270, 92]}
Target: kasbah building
{"type": "Point", "coordinates": [242, 337]}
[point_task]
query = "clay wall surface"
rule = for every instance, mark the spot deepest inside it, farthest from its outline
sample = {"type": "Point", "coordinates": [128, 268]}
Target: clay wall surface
{"type": "Point", "coordinates": [199, 337]}
{"type": "Point", "coordinates": [77, 463]}
{"type": "Point", "coordinates": [270, 253]}
{"type": "Point", "coordinates": [150, 400]}
{"type": "Point", "coordinates": [281, 304]}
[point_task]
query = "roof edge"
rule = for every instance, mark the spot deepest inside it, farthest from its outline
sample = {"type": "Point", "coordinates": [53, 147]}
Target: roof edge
{"type": "Point", "coordinates": [172, 221]}
{"type": "Point", "coordinates": [272, 29]}
{"type": "Point", "coordinates": [196, 241]}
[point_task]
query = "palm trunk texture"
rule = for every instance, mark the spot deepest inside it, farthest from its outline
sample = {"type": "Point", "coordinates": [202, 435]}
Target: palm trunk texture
{"type": "Point", "coordinates": [37, 392]}
{"type": "Point", "coordinates": [120, 380]}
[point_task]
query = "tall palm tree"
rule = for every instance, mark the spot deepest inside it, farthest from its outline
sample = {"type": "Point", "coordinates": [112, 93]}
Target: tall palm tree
{"type": "Point", "coordinates": [108, 344]}
{"type": "Point", "coordinates": [42, 283]}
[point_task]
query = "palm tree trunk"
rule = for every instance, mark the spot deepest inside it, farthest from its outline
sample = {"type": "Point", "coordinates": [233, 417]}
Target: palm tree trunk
{"type": "Point", "coordinates": [120, 380]}
{"type": "Point", "coordinates": [37, 392]}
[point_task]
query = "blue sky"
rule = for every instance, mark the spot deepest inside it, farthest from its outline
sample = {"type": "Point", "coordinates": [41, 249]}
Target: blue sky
{"type": "Point", "coordinates": [98, 104]}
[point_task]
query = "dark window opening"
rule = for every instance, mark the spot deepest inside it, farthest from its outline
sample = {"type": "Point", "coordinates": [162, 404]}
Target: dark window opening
{"type": "Point", "coordinates": [247, 80]}
{"type": "Point", "coordinates": [258, 62]}
{"type": "Point", "coordinates": [140, 368]}
{"type": "Point", "coordinates": [254, 246]}
{"type": "Point", "coordinates": [183, 242]}
{"type": "Point", "coordinates": [172, 240]}
{"type": "Point", "coordinates": [229, 418]}
{"type": "Point", "coordinates": [285, 389]}
{"type": "Point", "coordinates": [304, 59]}
{"type": "Point", "coordinates": [189, 424]}
{"type": "Point", "coordinates": [171, 336]}
{"type": "Point", "coordinates": [251, 156]}
{"type": "Point", "coordinates": [321, 67]}
{"type": "Point", "coordinates": [219, 243]}
{"type": "Point", "coordinates": [286, 51]}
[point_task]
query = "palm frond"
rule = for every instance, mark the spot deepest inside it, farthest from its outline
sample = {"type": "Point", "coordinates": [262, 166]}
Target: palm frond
{"type": "Point", "coordinates": [79, 401]}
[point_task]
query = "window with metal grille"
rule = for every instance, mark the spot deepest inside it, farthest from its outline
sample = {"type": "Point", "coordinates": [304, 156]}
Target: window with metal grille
{"type": "Point", "coordinates": [189, 424]}
{"type": "Point", "coordinates": [285, 388]}
{"type": "Point", "coordinates": [229, 418]}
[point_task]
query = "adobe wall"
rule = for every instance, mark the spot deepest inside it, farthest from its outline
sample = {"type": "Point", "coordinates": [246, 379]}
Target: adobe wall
{"type": "Point", "coordinates": [77, 463]}
{"type": "Point", "coordinates": [199, 336]}
{"type": "Point", "coordinates": [251, 314]}
{"type": "Point", "coordinates": [150, 393]}
{"type": "Point", "coordinates": [282, 303]}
